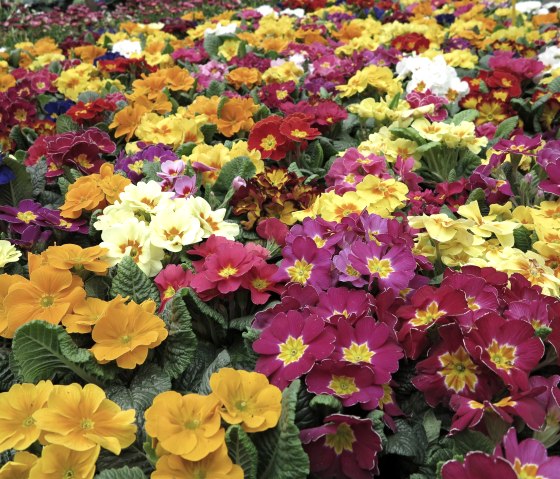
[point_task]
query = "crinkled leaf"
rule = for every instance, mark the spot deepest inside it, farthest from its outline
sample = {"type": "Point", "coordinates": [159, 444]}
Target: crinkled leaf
{"type": "Point", "coordinates": [554, 85]}
{"type": "Point", "coordinates": [42, 350]}
{"type": "Point", "coordinates": [408, 134]}
{"type": "Point", "coordinates": [465, 115]}
{"type": "Point", "coordinates": [467, 441]}
{"type": "Point", "coordinates": [211, 44]}
{"type": "Point", "coordinates": [432, 426]}
{"type": "Point", "coordinates": [65, 124]}
{"type": "Point", "coordinates": [208, 130]}
{"type": "Point", "coordinates": [20, 188]}
{"type": "Point", "coordinates": [122, 473]}
{"type": "Point", "coordinates": [240, 166]}
{"type": "Point", "coordinates": [409, 440]}
{"type": "Point", "coordinates": [505, 128]}
{"type": "Point", "coordinates": [190, 380]}
{"type": "Point", "coordinates": [242, 451]}
{"type": "Point", "coordinates": [281, 454]}
{"type": "Point", "coordinates": [222, 360]}
{"type": "Point", "coordinates": [199, 310]}
{"type": "Point", "coordinates": [522, 237]}
{"type": "Point", "coordinates": [37, 174]}
{"type": "Point", "coordinates": [130, 281]}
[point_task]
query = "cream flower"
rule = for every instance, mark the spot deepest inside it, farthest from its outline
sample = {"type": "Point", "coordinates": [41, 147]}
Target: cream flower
{"type": "Point", "coordinates": [8, 253]}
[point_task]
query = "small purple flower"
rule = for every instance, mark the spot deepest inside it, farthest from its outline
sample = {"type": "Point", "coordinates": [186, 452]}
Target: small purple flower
{"type": "Point", "coordinates": [184, 186]}
{"type": "Point", "coordinates": [519, 145]}
{"type": "Point", "coordinates": [27, 213]}
{"type": "Point", "coordinates": [171, 169]}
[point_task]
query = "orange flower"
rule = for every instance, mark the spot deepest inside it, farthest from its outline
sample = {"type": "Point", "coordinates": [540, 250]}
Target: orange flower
{"type": "Point", "coordinates": [127, 120]}
{"type": "Point", "coordinates": [112, 185]}
{"type": "Point", "coordinates": [85, 315]}
{"type": "Point", "coordinates": [70, 256]}
{"type": "Point", "coordinates": [48, 296]}
{"type": "Point", "coordinates": [89, 52]}
{"type": "Point", "coordinates": [83, 194]}
{"type": "Point", "coordinates": [6, 281]}
{"type": "Point", "coordinates": [236, 115]}
{"type": "Point", "coordinates": [205, 106]}
{"type": "Point", "coordinates": [126, 332]}
{"type": "Point", "coordinates": [244, 76]}
{"type": "Point", "coordinates": [176, 78]}
{"type": "Point", "coordinates": [7, 81]}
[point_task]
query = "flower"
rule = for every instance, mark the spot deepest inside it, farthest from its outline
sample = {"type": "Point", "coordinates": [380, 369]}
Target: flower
{"type": "Point", "coordinates": [291, 344]}
{"type": "Point", "coordinates": [171, 279]}
{"type": "Point", "coordinates": [19, 467]}
{"type": "Point", "coordinates": [47, 296]}
{"type": "Point", "coordinates": [247, 398]}
{"type": "Point", "coordinates": [71, 256]}
{"type": "Point", "coordinates": [188, 426]}
{"type": "Point", "coordinates": [216, 465]}
{"type": "Point", "coordinates": [18, 428]}
{"type": "Point", "coordinates": [126, 332]}
{"type": "Point", "coordinates": [345, 447]}
{"type": "Point", "coordinates": [266, 137]}
{"type": "Point", "coordinates": [8, 253]}
{"type": "Point", "coordinates": [59, 461]}
{"type": "Point", "coordinates": [477, 465]}
{"type": "Point", "coordinates": [82, 418]}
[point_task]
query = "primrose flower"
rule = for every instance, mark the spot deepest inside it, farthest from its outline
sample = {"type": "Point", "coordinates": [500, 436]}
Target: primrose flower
{"type": "Point", "coordinates": [59, 461]}
{"type": "Point", "coordinates": [247, 398]}
{"type": "Point", "coordinates": [8, 253]}
{"type": "Point", "coordinates": [187, 426]}
{"type": "Point", "coordinates": [477, 465]}
{"type": "Point", "coordinates": [19, 467]}
{"type": "Point", "coordinates": [291, 344]}
{"type": "Point", "coordinates": [345, 447]}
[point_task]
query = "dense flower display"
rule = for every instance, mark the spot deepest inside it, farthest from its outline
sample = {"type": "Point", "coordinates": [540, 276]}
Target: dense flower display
{"type": "Point", "coordinates": [279, 241]}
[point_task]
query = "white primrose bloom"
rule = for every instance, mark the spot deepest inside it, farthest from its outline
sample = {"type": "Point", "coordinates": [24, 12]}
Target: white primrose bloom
{"type": "Point", "coordinates": [211, 222]}
{"type": "Point", "coordinates": [551, 57]}
{"type": "Point", "coordinates": [145, 197]}
{"type": "Point", "coordinates": [434, 75]}
{"type": "Point", "coordinates": [528, 7]}
{"type": "Point", "coordinates": [8, 253]}
{"type": "Point", "coordinates": [265, 10]}
{"type": "Point", "coordinates": [298, 58]}
{"type": "Point", "coordinates": [113, 215]}
{"type": "Point", "coordinates": [175, 228]}
{"type": "Point", "coordinates": [132, 238]}
{"type": "Point", "coordinates": [296, 12]}
{"type": "Point", "coordinates": [127, 48]}
{"type": "Point", "coordinates": [220, 29]}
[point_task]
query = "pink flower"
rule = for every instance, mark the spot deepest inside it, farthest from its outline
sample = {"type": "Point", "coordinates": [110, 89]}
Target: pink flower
{"type": "Point", "coordinates": [478, 465]}
{"type": "Point", "coordinates": [170, 280]}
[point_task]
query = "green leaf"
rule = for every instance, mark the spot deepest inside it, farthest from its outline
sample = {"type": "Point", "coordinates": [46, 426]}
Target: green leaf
{"type": "Point", "coordinates": [240, 166]}
{"type": "Point", "coordinates": [211, 44]}
{"type": "Point", "coordinates": [130, 281]}
{"type": "Point", "coordinates": [185, 149]}
{"type": "Point", "coordinates": [122, 473]}
{"type": "Point", "coordinates": [150, 169]}
{"type": "Point", "coordinates": [42, 350]}
{"type": "Point", "coordinates": [242, 451]}
{"type": "Point", "coordinates": [20, 188]}
{"type": "Point", "coordinates": [215, 88]}
{"type": "Point", "coordinates": [37, 175]}
{"type": "Point", "coordinates": [65, 124]}
{"type": "Point", "coordinates": [465, 115]}
{"type": "Point", "coordinates": [200, 310]}
{"type": "Point", "coordinates": [505, 128]}
{"type": "Point", "coordinates": [476, 195]}
{"type": "Point", "coordinates": [522, 237]}
{"type": "Point", "coordinates": [222, 361]}
{"type": "Point", "coordinates": [408, 134]}
{"type": "Point", "coordinates": [16, 134]}
{"type": "Point", "coordinates": [281, 454]}
{"type": "Point", "coordinates": [191, 379]}
{"type": "Point", "coordinates": [554, 85]}
{"type": "Point", "coordinates": [221, 105]}
{"type": "Point", "coordinates": [88, 96]}
{"type": "Point", "coordinates": [409, 440]}
{"type": "Point", "coordinates": [326, 401]}
{"type": "Point", "coordinates": [467, 441]}
{"type": "Point", "coordinates": [432, 426]}
{"type": "Point", "coordinates": [7, 377]}
{"type": "Point", "coordinates": [428, 146]}
{"type": "Point", "coordinates": [179, 349]}
{"type": "Point", "coordinates": [315, 155]}
{"type": "Point", "coordinates": [208, 130]}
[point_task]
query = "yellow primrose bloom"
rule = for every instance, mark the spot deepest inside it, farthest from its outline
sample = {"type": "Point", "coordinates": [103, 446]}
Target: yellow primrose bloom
{"type": "Point", "coordinates": [380, 78]}
{"type": "Point", "coordinates": [439, 227]}
{"type": "Point", "coordinates": [60, 462]}
{"type": "Point", "coordinates": [524, 215]}
{"type": "Point", "coordinates": [383, 196]}
{"type": "Point", "coordinates": [431, 131]}
{"type": "Point", "coordinates": [286, 72]}
{"type": "Point", "coordinates": [229, 48]}
{"type": "Point", "coordinates": [333, 207]}
{"type": "Point", "coordinates": [19, 467]}
{"type": "Point", "coordinates": [8, 253]}
{"type": "Point", "coordinates": [171, 130]}
{"type": "Point", "coordinates": [461, 59]}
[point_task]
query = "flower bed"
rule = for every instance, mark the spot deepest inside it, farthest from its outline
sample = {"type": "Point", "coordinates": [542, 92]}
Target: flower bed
{"type": "Point", "coordinates": [278, 243]}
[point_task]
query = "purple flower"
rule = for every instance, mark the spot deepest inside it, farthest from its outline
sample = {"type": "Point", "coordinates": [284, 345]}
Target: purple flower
{"type": "Point", "coordinates": [290, 346]}
{"type": "Point", "coordinates": [27, 213]}
{"type": "Point", "coordinates": [345, 447]}
{"type": "Point", "coordinates": [338, 303]}
{"type": "Point", "coordinates": [171, 169]}
{"type": "Point", "coordinates": [519, 145]}
{"type": "Point", "coordinates": [184, 186]}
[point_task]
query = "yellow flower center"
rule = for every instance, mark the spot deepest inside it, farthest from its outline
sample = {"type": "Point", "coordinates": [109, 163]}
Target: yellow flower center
{"type": "Point", "coordinates": [259, 283]}
{"type": "Point", "coordinates": [526, 471]}
{"type": "Point", "coordinates": [357, 353]}
{"type": "Point", "coordinates": [192, 424]}
{"type": "Point", "coordinates": [472, 304]}
{"type": "Point", "coordinates": [82, 160]}
{"type": "Point", "coordinates": [69, 474]}
{"type": "Point", "coordinates": [46, 301]}
{"type": "Point", "coordinates": [28, 422]}
{"type": "Point", "coordinates": [227, 271]}
{"type": "Point", "coordinates": [126, 339]}
{"type": "Point", "coordinates": [86, 423]}
{"type": "Point", "coordinates": [281, 94]}
{"type": "Point", "coordinates": [300, 272]}
{"type": "Point", "coordinates": [199, 474]}
{"type": "Point", "coordinates": [320, 242]}
{"type": "Point", "coordinates": [503, 356]}
{"type": "Point", "coordinates": [343, 385]}
{"type": "Point", "coordinates": [169, 292]}
{"type": "Point", "coordinates": [458, 370]}
{"type": "Point", "coordinates": [350, 271]}
{"type": "Point", "coordinates": [268, 143]}
{"type": "Point", "coordinates": [425, 317]}
{"type": "Point", "coordinates": [292, 350]}
{"type": "Point", "coordinates": [342, 439]}
{"type": "Point", "coordinates": [241, 405]}
{"type": "Point", "coordinates": [137, 167]}
{"type": "Point", "coordinates": [382, 267]}
{"type": "Point", "coordinates": [26, 216]}
{"type": "Point", "coordinates": [298, 133]}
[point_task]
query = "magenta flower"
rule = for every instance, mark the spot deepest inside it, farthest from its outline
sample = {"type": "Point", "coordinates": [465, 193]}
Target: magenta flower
{"type": "Point", "coordinates": [550, 401]}
{"type": "Point", "coordinates": [350, 383]}
{"type": "Point", "coordinates": [346, 272]}
{"type": "Point", "coordinates": [368, 344]}
{"type": "Point", "coordinates": [305, 263]}
{"type": "Point", "coordinates": [478, 465]}
{"type": "Point", "coordinates": [519, 145]}
{"type": "Point", "coordinates": [390, 268]}
{"type": "Point", "coordinates": [528, 458]}
{"type": "Point", "coordinates": [345, 447]}
{"type": "Point", "coordinates": [509, 348]}
{"type": "Point", "coordinates": [291, 345]}
{"type": "Point", "coordinates": [342, 303]}
{"type": "Point", "coordinates": [273, 229]}
{"type": "Point", "coordinates": [170, 280]}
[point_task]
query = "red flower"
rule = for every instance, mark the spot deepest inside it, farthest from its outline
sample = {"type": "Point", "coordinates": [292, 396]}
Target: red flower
{"type": "Point", "coordinates": [297, 127]}
{"type": "Point", "coordinates": [265, 137]}
{"type": "Point", "coordinates": [259, 281]}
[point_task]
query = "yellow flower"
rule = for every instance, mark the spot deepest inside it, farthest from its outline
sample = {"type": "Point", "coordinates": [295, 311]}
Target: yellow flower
{"type": "Point", "coordinates": [60, 462]}
{"type": "Point", "coordinates": [380, 78]}
{"type": "Point", "coordinates": [217, 465]}
{"type": "Point", "coordinates": [126, 332]}
{"type": "Point", "coordinates": [18, 428]}
{"type": "Point", "coordinates": [383, 196]}
{"type": "Point", "coordinates": [247, 398]}
{"type": "Point", "coordinates": [19, 467]}
{"type": "Point", "coordinates": [82, 419]}
{"type": "Point", "coordinates": [188, 426]}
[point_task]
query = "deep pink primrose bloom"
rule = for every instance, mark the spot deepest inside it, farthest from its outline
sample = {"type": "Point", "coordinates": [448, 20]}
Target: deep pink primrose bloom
{"type": "Point", "coordinates": [342, 303]}
{"type": "Point", "coordinates": [478, 465]}
{"type": "Point", "coordinates": [170, 280]}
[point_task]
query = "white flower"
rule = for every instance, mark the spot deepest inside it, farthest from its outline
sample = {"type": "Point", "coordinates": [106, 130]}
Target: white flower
{"type": "Point", "coordinates": [297, 12]}
{"type": "Point", "coordinates": [113, 215]}
{"type": "Point", "coordinates": [127, 48]}
{"type": "Point", "coordinates": [174, 228]}
{"type": "Point", "coordinates": [220, 29]}
{"type": "Point", "coordinates": [132, 238]}
{"type": "Point", "coordinates": [145, 197]}
{"type": "Point", "coordinates": [212, 222]}
{"type": "Point", "coordinates": [298, 59]}
{"type": "Point", "coordinates": [528, 7]}
{"type": "Point", "coordinates": [551, 57]}
{"type": "Point", "coordinates": [265, 10]}
{"type": "Point", "coordinates": [8, 253]}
